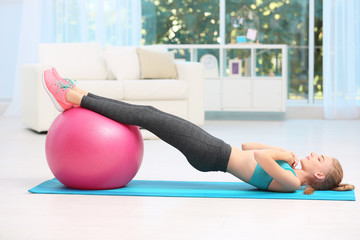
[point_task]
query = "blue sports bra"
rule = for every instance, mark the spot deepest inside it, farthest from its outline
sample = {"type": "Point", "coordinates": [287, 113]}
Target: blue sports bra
{"type": "Point", "coordinates": [262, 180]}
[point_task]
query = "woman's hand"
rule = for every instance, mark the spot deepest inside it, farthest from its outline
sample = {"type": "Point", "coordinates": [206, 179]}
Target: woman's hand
{"type": "Point", "coordinates": [290, 158]}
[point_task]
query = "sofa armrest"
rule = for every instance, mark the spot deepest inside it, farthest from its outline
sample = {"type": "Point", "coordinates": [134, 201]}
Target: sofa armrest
{"type": "Point", "coordinates": [192, 74]}
{"type": "Point", "coordinates": [37, 109]}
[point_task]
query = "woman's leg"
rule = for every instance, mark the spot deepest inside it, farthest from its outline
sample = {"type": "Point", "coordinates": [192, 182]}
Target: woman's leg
{"type": "Point", "coordinates": [203, 151]}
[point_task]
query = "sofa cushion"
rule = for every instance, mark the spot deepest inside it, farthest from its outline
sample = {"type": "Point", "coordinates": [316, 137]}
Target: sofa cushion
{"type": "Point", "coordinates": [105, 88]}
{"type": "Point", "coordinates": [155, 89]}
{"type": "Point", "coordinates": [156, 65]}
{"type": "Point", "coordinates": [74, 60]}
{"type": "Point", "coordinates": [122, 62]}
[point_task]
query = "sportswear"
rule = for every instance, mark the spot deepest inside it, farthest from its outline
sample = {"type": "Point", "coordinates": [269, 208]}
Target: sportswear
{"type": "Point", "coordinates": [262, 179]}
{"type": "Point", "coordinates": [57, 89]}
{"type": "Point", "coordinates": [202, 150]}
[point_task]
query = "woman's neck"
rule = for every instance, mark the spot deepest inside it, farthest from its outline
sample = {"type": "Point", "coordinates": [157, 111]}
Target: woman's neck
{"type": "Point", "coordinates": [303, 176]}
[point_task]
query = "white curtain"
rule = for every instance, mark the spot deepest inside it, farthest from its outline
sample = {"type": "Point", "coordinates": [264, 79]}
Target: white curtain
{"type": "Point", "coordinates": [113, 22]}
{"type": "Point", "coordinates": [341, 58]}
{"type": "Point", "coordinates": [29, 37]}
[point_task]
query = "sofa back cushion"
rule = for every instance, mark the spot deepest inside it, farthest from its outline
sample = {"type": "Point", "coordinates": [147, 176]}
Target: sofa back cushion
{"type": "Point", "coordinates": [156, 65]}
{"type": "Point", "coordinates": [122, 62]}
{"type": "Point", "coordinates": [74, 60]}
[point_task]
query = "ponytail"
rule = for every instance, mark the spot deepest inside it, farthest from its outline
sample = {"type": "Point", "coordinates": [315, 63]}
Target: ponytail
{"type": "Point", "coordinates": [309, 190]}
{"type": "Point", "coordinates": [344, 187]}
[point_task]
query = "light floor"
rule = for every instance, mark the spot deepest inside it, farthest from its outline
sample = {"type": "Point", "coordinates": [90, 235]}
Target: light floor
{"type": "Point", "coordinates": [31, 216]}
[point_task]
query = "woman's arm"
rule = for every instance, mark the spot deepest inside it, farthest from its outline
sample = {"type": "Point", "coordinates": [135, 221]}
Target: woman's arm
{"type": "Point", "coordinates": [260, 146]}
{"type": "Point", "coordinates": [266, 159]}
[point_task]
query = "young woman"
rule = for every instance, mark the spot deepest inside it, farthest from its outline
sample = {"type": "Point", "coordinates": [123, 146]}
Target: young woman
{"type": "Point", "coordinates": [265, 167]}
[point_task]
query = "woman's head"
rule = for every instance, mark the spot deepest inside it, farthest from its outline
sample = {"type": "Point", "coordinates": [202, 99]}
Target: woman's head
{"type": "Point", "coordinates": [325, 173]}
{"type": "Point", "coordinates": [317, 166]}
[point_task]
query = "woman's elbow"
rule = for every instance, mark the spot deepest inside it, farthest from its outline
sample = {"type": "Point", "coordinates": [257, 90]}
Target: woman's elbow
{"type": "Point", "coordinates": [293, 186]}
{"type": "Point", "coordinates": [244, 146]}
{"type": "Point", "coordinates": [259, 154]}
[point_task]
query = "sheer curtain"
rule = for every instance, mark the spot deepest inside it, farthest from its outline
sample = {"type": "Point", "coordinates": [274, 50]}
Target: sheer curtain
{"type": "Point", "coordinates": [113, 22]}
{"type": "Point", "coordinates": [341, 59]}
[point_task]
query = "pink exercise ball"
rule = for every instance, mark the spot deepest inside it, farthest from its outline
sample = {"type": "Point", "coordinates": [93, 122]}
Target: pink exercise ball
{"type": "Point", "coordinates": [86, 150]}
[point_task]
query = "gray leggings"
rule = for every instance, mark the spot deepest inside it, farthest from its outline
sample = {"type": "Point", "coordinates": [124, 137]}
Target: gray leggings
{"type": "Point", "coordinates": [203, 151]}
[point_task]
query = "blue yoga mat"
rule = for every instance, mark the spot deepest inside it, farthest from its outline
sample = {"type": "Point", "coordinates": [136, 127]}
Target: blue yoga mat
{"type": "Point", "coordinates": [192, 189]}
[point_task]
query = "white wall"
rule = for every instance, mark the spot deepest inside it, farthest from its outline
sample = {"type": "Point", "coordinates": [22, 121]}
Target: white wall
{"type": "Point", "coordinates": [10, 19]}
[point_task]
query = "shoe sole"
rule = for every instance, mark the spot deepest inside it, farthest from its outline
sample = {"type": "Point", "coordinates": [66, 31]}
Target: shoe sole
{"type": "Point", "coordinates": [57, 105]}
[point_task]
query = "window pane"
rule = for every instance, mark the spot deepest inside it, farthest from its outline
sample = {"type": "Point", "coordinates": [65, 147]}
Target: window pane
{"type": "Point", "coordinates": [298, 73]}
{"type": "Point", "coordinates": [280, 22]}
{"type": "Point", "coordinates": [181, 54]}
{"type": "Point", "coordinates": [180, 22]}
{"type": "Point", "coordinates": [268, 63]}
{"type": "Point", "coordinates": [318, 73]}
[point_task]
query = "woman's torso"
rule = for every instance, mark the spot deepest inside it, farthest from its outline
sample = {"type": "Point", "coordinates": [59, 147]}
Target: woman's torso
{"type": "Point", "coordinates": [242, 165]}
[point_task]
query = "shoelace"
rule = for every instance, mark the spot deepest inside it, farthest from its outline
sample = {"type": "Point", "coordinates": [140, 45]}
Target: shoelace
{"type": "Point", "coordinates": [72, 83]}
{"type": "Point", "coordinates": [61, 85]}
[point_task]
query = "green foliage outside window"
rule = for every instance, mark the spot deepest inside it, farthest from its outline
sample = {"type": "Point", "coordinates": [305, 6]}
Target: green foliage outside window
{"type": "Point", "coordinates": [180, 21]}
{"type": "Point", "coordinates": [280, 22]}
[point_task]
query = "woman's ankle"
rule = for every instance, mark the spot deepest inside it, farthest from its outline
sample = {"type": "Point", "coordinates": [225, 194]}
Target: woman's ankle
{"type": "Point", "coordinates": [80, 91]}
{"type": "Point", "coordinates": [74, 97]}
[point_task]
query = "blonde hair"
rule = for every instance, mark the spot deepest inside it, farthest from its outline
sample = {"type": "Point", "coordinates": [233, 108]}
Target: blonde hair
{"type": "Point", "coordinates": [331, 182]}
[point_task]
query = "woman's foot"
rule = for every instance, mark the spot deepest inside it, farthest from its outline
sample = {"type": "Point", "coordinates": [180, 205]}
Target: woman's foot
{"type": "Point", "coordinates": [68, 81]}
{"type": "Point", "coordinates": [63, 80]}
{"type": "Point", "coordinates": [57, 90]}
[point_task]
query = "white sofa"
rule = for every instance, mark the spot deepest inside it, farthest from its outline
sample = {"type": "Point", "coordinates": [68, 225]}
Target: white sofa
{"type": "Point", "coordinates": [87, 63]}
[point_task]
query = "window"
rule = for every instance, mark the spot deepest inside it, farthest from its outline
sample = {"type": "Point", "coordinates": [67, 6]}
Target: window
{"type": "Point", "coordinates": [280, 22]}
{"type": "Point", "coordinates": [180, 22]}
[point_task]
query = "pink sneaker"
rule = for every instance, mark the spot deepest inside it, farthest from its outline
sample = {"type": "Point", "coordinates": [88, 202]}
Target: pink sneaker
{"type": "Point", "coordinates": [63, 80]}
{"type": "Point", "coordinates": [57, 90]}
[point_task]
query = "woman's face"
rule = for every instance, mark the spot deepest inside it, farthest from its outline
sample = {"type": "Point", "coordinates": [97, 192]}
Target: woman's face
{"type": "Point", "coordinates": [315, 163]}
